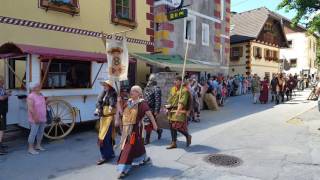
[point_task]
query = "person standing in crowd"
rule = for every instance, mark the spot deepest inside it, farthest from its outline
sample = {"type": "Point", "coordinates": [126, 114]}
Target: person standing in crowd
{"type": "Point", "coordinates": [245, 85]}
{"type": "Point", "coordinates": [106, 109]}
{"type": "Point", "coordinates": [178, 102]}
{"type": "Point", "coordinates": [280, 89]}
{"type": "Point", "coordinates": [152, 94]}
{"type": "Point", "coordinates": [196, 89]}
{"type": "Point", "coordinates": [290, 86]}
{"type": "Point", "coordinates": [4, 95]}
{"type": "Point", "coordinates": [37, 113]}
{"type": "Point", "coordinates": [273, 87]}
{"type": "Point", "coordinates": [264, 95]}
{"type": "Point", "coordinates": [256, 87]}
{"type": "Point", "coordinates": [133, 151]}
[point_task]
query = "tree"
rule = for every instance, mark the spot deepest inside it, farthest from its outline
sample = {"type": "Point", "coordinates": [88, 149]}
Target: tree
{"type": "Point", "coordinates": [307, 11]}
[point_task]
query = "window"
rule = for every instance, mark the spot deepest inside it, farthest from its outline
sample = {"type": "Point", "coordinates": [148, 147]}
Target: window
{"type": "Point", "coordinates": [236, 53]}
{"type": "Point", "coordinates": [19, 67]}
{"type": "Point", "coordinates": [205, 34]}
{"type": "Point", "coordinates": [190, 29]}
{"type": "Point", "coordinates": [293, 63]}
{"type": "Point", "coordinates": [66, 74]}
{"type": "Point", "coordinates": [257, 52]}
{"type": "Point", "coordinates": [290, 43]}
{"type": "Point", "coordinates": [123, 12]}
{"type": "Point", "coordinates": [66, 6]}
{"type": "Point", "coordinates": [123, 9]}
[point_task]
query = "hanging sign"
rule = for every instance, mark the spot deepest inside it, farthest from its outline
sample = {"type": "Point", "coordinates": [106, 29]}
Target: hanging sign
{"type": "Point", "coordinates": [177, 14]}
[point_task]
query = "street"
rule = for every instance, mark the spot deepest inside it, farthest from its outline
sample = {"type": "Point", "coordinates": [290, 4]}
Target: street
{"type": "Point", "coordinates": [274, 142]}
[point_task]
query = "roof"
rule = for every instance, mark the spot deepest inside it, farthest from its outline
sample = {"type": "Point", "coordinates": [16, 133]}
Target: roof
{"type": "Point", "coordinates": [174, 62]}
{"type": "Point", "coordinates": [248, 25]}
{"type": "Point", "coordinates": [13, 49]}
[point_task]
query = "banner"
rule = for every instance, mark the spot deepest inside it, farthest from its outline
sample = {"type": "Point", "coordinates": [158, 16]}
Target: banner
{"type": "Point", "coordinates": [118, 60]}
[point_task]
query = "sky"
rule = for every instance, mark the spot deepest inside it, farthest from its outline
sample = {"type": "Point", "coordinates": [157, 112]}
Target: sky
{"type": "Point", "coordinates": [245, 5]}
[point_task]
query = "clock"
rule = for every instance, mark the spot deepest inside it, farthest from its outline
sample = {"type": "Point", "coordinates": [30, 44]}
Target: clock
{"type": "Point", "coordinates": [177, 3]}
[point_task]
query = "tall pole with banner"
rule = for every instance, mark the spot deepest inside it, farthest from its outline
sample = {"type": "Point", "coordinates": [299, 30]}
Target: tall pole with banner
{"type": "Point", "coordinates": [118, 61]}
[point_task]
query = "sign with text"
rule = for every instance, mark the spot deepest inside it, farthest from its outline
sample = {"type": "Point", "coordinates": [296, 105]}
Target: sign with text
{"type": "Point", "coordinates": [178, 14]}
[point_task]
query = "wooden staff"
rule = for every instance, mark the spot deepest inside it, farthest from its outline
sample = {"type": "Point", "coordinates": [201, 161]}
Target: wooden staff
{"type": "Point", "coordinates": [15, 74]}
{"type": "Point", "coordinates": [184, 69]}
{"type": "Point", "coordinates": [45, 74]}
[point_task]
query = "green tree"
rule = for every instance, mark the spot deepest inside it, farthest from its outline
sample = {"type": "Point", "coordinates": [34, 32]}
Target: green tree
{"type": "Point", "coordinates": [307, 11]}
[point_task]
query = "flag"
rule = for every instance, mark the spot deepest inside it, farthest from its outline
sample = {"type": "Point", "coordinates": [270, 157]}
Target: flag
{"type": "Point", "coordinates": [118, 60]}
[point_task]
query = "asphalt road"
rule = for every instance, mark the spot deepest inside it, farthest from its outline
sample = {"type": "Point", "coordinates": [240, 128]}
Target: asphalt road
{"type": "Point", "coordinates": [273, 142]}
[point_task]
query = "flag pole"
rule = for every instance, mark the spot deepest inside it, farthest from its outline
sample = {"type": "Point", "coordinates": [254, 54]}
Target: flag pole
{"type": "Point", "coordinates": [184, 67]}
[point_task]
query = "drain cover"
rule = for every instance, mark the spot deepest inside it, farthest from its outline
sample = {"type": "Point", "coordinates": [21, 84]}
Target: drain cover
{"type": "Point", "coordinates": [223, 160]}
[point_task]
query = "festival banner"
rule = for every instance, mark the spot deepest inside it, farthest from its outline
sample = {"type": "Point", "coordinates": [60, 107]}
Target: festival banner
{"type": "Point", "coordinates": [118, 60]}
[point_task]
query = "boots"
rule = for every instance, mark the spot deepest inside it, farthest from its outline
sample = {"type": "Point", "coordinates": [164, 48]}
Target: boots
{"type": "Point", "coordinates": [189, 140]}
{"type": "Point", "coordinates": [173, 145]}
{"type": "Point", "coordinates": [147, 139]}
{"type": "Point", "coordinates": [159, 131]}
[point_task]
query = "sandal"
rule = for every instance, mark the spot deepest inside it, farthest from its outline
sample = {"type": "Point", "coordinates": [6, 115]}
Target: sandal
{"type": "Point", "coordinates": [146, 161]}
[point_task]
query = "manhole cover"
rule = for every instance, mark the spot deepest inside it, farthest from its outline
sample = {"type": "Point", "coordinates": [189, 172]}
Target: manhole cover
{"type": "Point", "coordinates": [223, 160]}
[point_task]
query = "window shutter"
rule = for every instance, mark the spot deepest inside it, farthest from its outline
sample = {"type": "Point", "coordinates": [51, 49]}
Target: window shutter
{"type": "Point", "coordinates": [133, 10]}
{"type": "Point", "coordinates": [254, 51]}
{"type": "Point", "coordinates": [113, 9]}
{"type": "Point", "coordinates": [240, 51]}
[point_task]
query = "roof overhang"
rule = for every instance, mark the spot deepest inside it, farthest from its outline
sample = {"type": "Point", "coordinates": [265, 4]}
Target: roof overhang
{"type": "Point", "coordinates": [174, 62]}
{"type": "Point", "coordinates": [8, 50]}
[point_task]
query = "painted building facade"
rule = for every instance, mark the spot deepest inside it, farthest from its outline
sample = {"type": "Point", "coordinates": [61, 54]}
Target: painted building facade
{"type": "Point", "coordinates": [77, 25]}
{"type": "Point", "coordinates": [302, 52]}
{"type": "Point", "coordinates": [256, 38]}
{"type": "Point", "coordinates": [207, 26]}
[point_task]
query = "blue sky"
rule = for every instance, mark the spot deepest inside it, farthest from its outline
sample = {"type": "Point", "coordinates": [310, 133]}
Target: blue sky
{"type": "Point", "coordinates": [245, 5]}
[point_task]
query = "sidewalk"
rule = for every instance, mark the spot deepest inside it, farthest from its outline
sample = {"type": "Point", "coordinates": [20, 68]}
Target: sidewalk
{"type": "Point", "coordinates": [263, 136]}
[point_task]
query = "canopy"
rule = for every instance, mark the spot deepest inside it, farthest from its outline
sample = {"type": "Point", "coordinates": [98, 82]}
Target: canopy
{"type": "Point", "coordinates": [174, 62]}
{"type": "Point", "coordinates": [11, 49]}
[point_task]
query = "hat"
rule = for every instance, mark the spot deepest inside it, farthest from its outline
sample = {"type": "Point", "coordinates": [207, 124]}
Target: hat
{"type": "Point", "coordinates": [107, 82]}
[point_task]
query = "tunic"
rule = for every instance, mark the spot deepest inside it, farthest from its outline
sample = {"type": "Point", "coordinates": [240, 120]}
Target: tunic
{"type": "Point", "coordinates": [133, 152]}
{"type": "Point", "coordinates": [179, 122]}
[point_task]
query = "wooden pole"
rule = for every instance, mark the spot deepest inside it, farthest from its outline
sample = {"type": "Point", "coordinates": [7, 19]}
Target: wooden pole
{"type": "Point", "coordinates": [15, 74]}
{"type": "Point", "coordinates": [97, 75]}
{"type": "Point", "coordinates": [184, 67]}
{"type": "Point", "coordinates": [45, 74]}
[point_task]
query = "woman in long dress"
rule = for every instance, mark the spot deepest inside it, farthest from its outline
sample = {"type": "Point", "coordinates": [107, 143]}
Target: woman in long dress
{"type": "Point", "coordinates": [132, 147]}
{"type": "Point", "coordinates": [264, 95]}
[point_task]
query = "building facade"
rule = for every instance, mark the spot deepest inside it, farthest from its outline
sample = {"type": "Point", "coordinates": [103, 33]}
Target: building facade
{"type": "Point", "coordinates": [207, 27]}
{"type": "Point", "coordinates": [77, 25]}
{"type": "Point", "coordinates": [302, 52]}
{"type": "Point", "coordinates": [256, 39]}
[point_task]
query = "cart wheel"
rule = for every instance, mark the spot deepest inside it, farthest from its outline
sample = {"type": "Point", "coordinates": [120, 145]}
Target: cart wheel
{"type": "Point", "coordinates": [63, 120]}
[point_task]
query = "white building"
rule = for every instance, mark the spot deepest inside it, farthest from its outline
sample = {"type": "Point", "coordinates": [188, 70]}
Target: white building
{"type": "Point", "coordinates": [301, 53]}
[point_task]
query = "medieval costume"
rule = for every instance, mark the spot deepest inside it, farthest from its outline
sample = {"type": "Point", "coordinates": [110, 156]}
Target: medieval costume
{"type": "Point", "coordinates": [256, 87]}
{"type": "Point", "coordinates": [273, 85]}
{"type": "Point", "coordinates": [177, 115]}
{"type": "Point", "coordinates": [152, 94]}
{"type": "Point", "coordinates": [106, 109]}
{"type": "Point", "coordinates": [280, 89]}
{"type": "Point", "coordinates": [264, 94]}
{"type": "Point", "coordinates": [133, 152]}
{"type": "Point", "coordinates": [290, 85]}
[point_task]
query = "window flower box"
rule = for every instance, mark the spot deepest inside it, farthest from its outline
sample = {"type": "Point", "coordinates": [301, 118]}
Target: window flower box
{"type": "Point", "coordinates": [61, 6]}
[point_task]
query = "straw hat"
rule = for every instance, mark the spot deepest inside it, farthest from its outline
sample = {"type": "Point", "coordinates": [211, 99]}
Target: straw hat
{"type": "Point", "coordinates": [107, 82]}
